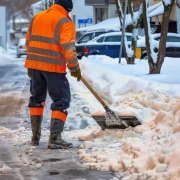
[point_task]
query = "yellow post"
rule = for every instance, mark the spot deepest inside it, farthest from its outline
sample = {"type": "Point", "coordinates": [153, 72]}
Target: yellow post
{"type": "Point", "coordinates": [138, 53]}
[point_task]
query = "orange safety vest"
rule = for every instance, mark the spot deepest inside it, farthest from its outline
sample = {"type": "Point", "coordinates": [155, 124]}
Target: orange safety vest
{"type": "Point", "coordinates": [50, 41]}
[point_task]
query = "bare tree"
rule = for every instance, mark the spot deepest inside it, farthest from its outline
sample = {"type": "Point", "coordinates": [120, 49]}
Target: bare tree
{"type": "Point", "coordinates": [47, 3]}
{"type": "Point", "coordinates": [129, 53]}
{"type": "Point", "coordinates": [156, 68]}
{"type": "Point", "coordinates": [16, 8]}
{"type": "Point", "coordinates": [136, 23]}
{"type": "Point", "coordinates": [156, 61]}
{"type": "Point", "coordinates": [149, 45]}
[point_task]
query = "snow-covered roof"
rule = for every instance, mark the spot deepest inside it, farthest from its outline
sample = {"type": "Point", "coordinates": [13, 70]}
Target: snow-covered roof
{"type": "Point", "coordinates": [156, 9]}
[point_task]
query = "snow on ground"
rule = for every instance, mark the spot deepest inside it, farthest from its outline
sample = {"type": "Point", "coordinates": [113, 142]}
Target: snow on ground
{"type": "Point", "coordinates": [150, 151]}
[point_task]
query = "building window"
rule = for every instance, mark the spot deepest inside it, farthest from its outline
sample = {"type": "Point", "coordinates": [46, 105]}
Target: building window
{"type": "Point", "coordinates": [101, 14]}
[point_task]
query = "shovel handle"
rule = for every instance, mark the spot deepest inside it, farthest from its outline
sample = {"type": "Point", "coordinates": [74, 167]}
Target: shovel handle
{"type": "Point", "coordinates": [93, 92]}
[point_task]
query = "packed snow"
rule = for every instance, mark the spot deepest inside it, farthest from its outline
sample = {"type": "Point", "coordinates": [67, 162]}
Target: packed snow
{"type": "Point", "coordinates": [148, 151]}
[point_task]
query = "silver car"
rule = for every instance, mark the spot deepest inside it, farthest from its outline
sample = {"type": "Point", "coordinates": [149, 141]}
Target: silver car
{"type": "Point", "coordinates": [21, 47]}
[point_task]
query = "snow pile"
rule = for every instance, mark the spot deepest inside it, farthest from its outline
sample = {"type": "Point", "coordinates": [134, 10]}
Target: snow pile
{"type": "Point", "coordinates": [4, 130]}
{"type": "Point", "coordinates": [3, 54]}
{"type": "Point", "coordinates": [4, 169]}
{"type": "Point", "coordinates": [149, 151]}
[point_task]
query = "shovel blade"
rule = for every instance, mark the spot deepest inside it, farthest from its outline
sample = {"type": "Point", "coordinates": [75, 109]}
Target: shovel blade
{"type": "Point", "coordinates": [130, 120]}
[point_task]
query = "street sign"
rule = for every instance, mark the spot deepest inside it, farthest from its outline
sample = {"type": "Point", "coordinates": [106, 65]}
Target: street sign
{"type": "Point", "coordinates": [82, 21]}
{"type": "Point", "coordinates": [89, 20]}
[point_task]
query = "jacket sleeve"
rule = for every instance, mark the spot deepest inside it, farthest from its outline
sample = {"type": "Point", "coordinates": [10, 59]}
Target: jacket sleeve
{"type": "Point", "coordinates": [28, 36]}
{"type": "Point", "coordinates": [68, 39]}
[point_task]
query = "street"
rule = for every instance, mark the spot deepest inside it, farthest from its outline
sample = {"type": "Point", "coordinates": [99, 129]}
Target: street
{"type": "Point", "coordinates": [31, 163]}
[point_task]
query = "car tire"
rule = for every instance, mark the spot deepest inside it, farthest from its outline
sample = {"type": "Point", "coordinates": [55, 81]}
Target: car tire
{"type": "Point", "coordinates": [79, 57]}
{"type": "Point", "coordinates": [144, 57]}
{"type": "Point", "coordinates": [18, 55]}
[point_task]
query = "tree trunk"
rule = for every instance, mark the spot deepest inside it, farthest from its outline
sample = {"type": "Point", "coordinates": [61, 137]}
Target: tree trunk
{"type": "Point", "coordinates": [152, 65]}
{"type": "Point", "coordinates": [13, 21]}
{"type": "Point", "coordinates": [130, 59]}
{"type": "Point", "coordinates": [164, 31]}
{"type": "Point", "coordinates": [121, 15]}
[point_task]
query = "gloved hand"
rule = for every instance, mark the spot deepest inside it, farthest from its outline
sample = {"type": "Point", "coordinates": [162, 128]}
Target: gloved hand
{"type": "Point", "coordinates": [29, 72]}
{"type": "Point", "coordinates": [77, 74]}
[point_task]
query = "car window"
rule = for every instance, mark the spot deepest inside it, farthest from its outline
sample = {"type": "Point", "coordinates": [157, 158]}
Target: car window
{"type": "Point", "coordinates": [100, 40]}
{"type": "Point", "coordinates": [173, 39]}
{"type": "Point", "coordinates": [128, 38]}
{"type": "Point", "coordinates": [79, 34]}
{"type": "Point", "coordinates": [99, 33]}
{"type": "Point", "coordinates": [22, 41]}
{"type": "Point", "coordinates": [86, 38]}
{"type": "Point", "coordinates": [112, 39]}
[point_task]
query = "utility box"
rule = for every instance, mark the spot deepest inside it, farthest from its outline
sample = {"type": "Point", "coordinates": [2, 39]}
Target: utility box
{"type": "Point", "coordinates": [3, 27]}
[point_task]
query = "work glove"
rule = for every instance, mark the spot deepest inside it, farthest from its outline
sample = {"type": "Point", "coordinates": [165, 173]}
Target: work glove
{"type": "Point", "coordinates": [77, 74]}
{"type": "Point", "coordinates": [29, 72]}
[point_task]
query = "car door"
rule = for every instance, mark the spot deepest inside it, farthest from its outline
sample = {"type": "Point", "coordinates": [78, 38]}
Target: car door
{"type": "Point", "coordinates": [80, 44]}
{"type": "Point", "coordinates": [111, 45]}
{"type": "Point", "coordinates": [169, 48]}
{"type": "Point", "coordinates": [173, 42]}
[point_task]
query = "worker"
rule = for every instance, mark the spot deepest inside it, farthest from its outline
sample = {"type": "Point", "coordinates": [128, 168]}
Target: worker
{"type": "Point", "coordinates": [50, 50]}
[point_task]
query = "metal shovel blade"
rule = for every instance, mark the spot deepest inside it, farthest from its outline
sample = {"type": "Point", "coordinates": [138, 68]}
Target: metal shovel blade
{"type": "Point", "coordinates": [130, 120]}
{"type": "Point", "coordinates": [111, 121]}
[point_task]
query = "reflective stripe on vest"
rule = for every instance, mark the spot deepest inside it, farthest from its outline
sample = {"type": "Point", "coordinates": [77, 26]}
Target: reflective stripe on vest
{"type": "Point", "coordinates": [45, 52]}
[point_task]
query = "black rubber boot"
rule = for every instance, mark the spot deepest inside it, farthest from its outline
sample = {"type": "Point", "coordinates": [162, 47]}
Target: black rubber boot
{"type": "Point", "coordinates": [55, 140]}
{"type": "Point", "coordinates": [36, 129]}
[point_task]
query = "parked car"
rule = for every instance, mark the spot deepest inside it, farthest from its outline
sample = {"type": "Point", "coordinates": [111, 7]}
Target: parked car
{"type": "Point", "coordinates": [107, 44]}
{"type": "Point", "coordinates": [172, 45]}
{"type": "Point", "coordinates": [80, 32]}
{"type": "Point", "coordinates": [21, 47]}
{"type": "Point", "coordinates": [88, 36]}
{"type": "Point", "coordinates": [24, 30]}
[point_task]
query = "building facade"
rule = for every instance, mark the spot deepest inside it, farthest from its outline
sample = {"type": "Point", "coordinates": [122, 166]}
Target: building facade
{"type": "Point", "coordinates": [105, 9]}
{"type": "Point", "coordinates": [4, 29]}
{"type": "Point", "coordinates": [81, 12]}
{"type": "Point", "coordinates": [173, 19]}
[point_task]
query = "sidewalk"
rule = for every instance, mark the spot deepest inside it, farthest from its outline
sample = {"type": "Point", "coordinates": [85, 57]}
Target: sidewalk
{"type": "Point", "coordinates": [29, 163]}
{"type": "Point", "coordinates": [24, 162]}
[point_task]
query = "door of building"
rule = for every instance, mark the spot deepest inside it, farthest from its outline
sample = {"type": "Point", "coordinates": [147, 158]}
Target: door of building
{"type": "Point", "coordinates": [101, 14]}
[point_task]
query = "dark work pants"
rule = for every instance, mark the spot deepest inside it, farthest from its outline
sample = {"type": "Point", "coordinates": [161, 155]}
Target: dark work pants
{"type": "Point", "coordinates": [55, 84]}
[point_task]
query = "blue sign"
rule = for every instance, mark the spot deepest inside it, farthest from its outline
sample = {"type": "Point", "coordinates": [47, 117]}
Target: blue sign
{"type": "Point", "coordinates": [89, 20]}
{"type": "Point", "coordinates": [82, 21]}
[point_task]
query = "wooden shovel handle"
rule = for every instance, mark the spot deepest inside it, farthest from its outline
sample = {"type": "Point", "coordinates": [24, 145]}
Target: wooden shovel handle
{"type": "Point", "coordinates": [93, 92]}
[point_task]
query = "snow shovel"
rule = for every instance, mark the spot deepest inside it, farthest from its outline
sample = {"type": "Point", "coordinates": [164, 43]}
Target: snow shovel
{"type": "Point", "coordinates": [111, 120]}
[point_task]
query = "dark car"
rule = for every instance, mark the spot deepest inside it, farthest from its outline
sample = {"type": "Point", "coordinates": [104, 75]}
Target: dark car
{"type": "Point", "coordinates": [106, 44]}
{"type": "Point", "coordinates": [172, 45]}
{"type": "Point", "coordinates": [88, 36]}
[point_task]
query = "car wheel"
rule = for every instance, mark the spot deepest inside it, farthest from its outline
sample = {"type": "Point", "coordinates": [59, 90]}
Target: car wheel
{"type": "Point", "coordinates": [18, 55]}
{"type": "Point", "coordinates": [79, 57]}
{"type": "Point", "coordinates": [144, 57]}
